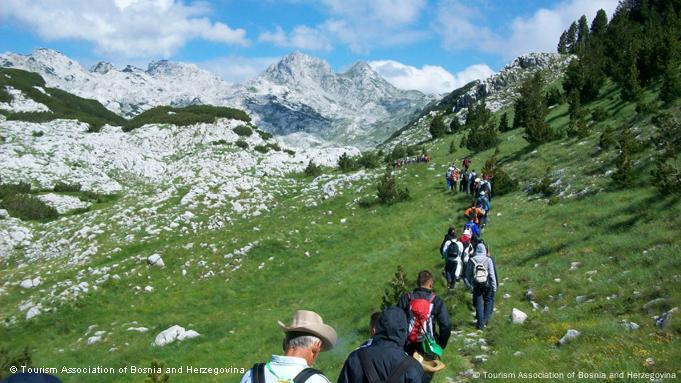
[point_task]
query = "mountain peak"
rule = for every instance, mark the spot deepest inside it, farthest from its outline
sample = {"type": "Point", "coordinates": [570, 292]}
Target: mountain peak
{"type": "Point", "coordinates": [361, 69]}
{"type": "Point", "coordinates": [298, 66]}
{"type": "Point", "coordinates": [101, 67]}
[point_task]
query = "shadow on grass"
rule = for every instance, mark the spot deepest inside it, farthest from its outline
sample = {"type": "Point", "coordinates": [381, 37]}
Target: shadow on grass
{"type": "Point", "coordinates": [518, 155]}
{"type": "Point", "coordinates": [540, 253]}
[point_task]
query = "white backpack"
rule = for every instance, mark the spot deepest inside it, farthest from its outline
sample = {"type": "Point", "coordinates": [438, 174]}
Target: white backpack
{"type": "Point", "coordinates": [480, 273]}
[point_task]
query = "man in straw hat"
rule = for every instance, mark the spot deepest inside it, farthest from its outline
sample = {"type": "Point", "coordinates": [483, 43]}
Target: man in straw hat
{"type": "Point", "coordinates": [384, 360]}
{"type": "Point", "coordinates": [304, 339]}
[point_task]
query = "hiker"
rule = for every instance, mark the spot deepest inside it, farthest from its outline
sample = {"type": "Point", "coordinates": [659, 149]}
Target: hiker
{"type": "Point", "coordinates": [463, 186]}
{"type": "Point", "coordinates": [448, 177]}
{"type": "Point", "coordinates": [486, 186]}
{"type": "Point", "coordinates": [304, 339]}
{"type": "Point", "coordinates": [482, 282]}
{"type": "Point", "coordinates": [473, 211]}
{"type": "Point", "coordinates": [452, 250]}
{"type": "Point", "coordinates": [455, 178]}
{"type": "Point", "coordinates": [483, 205]}
{"type": "Point", "coordinates": [471, 182]}
{"type": "Point", "coordinates": [384, 360]}
{"type": "Point", "coordinates": [423, 307]}
{"type": "Point", "coordinates": [451, 233]}
{"type": "Point", "coordinates": [372, 328]}
{"type": "Point", "coordinates": [466, 163]}
{"type": "Point", "coordinates": [471, 230]}
{"type": "Point", "coordinates": [476, 187]}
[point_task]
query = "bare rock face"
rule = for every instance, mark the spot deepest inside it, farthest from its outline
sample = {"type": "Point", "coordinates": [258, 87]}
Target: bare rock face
{"type": "Point", "coordinates": [172, 334]}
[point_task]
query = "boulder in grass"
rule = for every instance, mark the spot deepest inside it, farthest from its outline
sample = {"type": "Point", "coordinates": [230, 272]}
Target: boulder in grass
{"type": "Point", "coordinates": [172, 334]}
{"type": "Point", "coordinates": [569, 336]}
{"type": "Point", "coordinates": [518, 317]}
{"type": "Point", "coordinates": [30, 283]}
{"type": "Point", "coordinates": [155, 260]}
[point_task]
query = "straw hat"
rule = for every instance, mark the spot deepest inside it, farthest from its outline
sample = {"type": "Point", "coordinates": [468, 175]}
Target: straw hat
{"type": "Point", "coordinates": [429, 366]}
{"type": "Point", "coordinates": [310, 322]}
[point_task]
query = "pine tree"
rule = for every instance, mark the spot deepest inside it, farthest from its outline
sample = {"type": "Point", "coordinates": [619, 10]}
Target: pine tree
{"type": "Point", "coordinates": [562, 43]}
{"type": "Point", "coordinates": [582, 34]}
{"type": "Point", "coordinates": [503, 123]}
{"type": "Point", "coordinates": [624, 173]}
{"type": "Point", "coordinates": [437, 127]}
{"type": "Point", "coordinates": [607, 140]}
{"type": "Point", "coordinates": [577, 126]}
{"type": "Point", "coordinates": [312, 169]}
{"type": "Point", "coordinates": [572, 38]}
{"type": "Point", "coordinates": [667, 174]}
{"type": "Point", "coordinates": [452, 147]}
{"type": "Point", "coordinates": [388, 191]}
{"type": "Point", "coordinates": [396, 287]}
{"type": "Point", "coordinates": [454, 125]}
{"type": "Point", "coordinates": [347, 163]}
{"type": "Point", "coordinates": [482, 131]}
{"type": "Point", "coordinates": [599, 24]}
{"type": "Point", "coordinates": [537, 131]}
{"type": "Point", "coordinates": [631, 89]}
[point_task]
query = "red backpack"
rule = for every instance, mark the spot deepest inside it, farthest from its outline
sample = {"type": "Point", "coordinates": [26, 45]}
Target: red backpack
{"type": "Point", "coordinates": [419, 317]}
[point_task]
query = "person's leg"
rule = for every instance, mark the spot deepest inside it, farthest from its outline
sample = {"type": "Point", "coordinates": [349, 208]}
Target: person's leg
{"type": "Point", "coordinates": [450, 271]}
{"type": "Point", "coordinates": [479, 308]}
{"type": "Point", "coordinates": [489, 305]}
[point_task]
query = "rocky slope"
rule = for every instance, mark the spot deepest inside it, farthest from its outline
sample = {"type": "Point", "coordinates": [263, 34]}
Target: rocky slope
{"type": "Point", "coordinates": [498, 90]}
{"type": "Point", "coordinates": [300, 94]}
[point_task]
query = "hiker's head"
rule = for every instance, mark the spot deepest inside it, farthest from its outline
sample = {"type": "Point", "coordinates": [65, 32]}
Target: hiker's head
{"type": "Point", "coordinates": [480, 249]}
{"type": "Point", "coordinates": [372, 322]}
{"type": "Point", "coordinates": [452, 231]}
{"type": "Point", "coordinates": [425, 279]}
{"type": "Point", "coordinates": [307, 336]}
{"type": "Point", "coordinates": [302, 345]}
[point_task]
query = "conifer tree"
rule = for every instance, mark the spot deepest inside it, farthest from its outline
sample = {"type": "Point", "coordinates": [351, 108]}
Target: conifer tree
{"type": "Point", "coordinates": [452, 147]}
{"type": "Point", "coordinates": [562, 43]}
{"type": "Point", "coordinates": [503, 123]}
{"type": "Point", "coordinates": [631, 89]}
{"type": "Point", "coordinates": [537, 131]}
{"type": "Point", "coordinates": [599, 24]}
{"type": "Point", "coordinates": [454, 125]}
{"type": "Point", "coordinates": [437, 127]}
{"type": "Point", "coordinates": [582, 34]}
{"type": "Point", "coordinates": [572, 38]}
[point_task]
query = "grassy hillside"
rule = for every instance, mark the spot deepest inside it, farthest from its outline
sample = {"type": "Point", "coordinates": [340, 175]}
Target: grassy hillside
{"type": "Point", "coordinates": [626, 243]}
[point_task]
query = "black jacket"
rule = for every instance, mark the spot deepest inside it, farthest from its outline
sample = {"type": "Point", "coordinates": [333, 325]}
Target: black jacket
{"type": "Point", "coordinates": [438, 315]}
{"type": "Point", "coordinates": [386, 352]}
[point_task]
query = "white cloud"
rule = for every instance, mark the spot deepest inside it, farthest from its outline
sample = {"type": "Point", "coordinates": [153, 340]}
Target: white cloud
{"type": "Point", "coordinates": [234, 69]}
{"type": "Point", "coordinates": [462, 27]}
{"type": "Point", "coordinates": [428, 78]}
{"type": "Point", "coordinates": [362, 25]}
{"type": "Point", "coordinates": [301, 37]}
{"type": "Point", "coordinates": [132, 28]}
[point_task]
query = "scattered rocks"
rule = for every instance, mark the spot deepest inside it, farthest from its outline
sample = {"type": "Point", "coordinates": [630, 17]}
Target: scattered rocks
{"type": "Point", "coordinates": [138, 329]}
{"type": "Point", "coordinates": [662, 320]}
{"type": "Point", "coordinates": [581, 299]}
{"type": "Point", "coordinates": [155, 260]}
{"type": "Point", "coordinates": [30, 283]}
{"type": "Point", "coordinates": [33, 312]}
{"type": "Point", "coordinates": [518, 317]}
{"type": "Point", "coordinates": [480, 358]}
{"type": "Point", "coordinates": [529, 295]}
{"type": "Point", "coordinates": [172, 334]}
{"type": "Point", "coordinates": [575, 265]}
{"type": "Point", "coordinates": [630, 326]}
{"type": "Point", "coordinates": [148, 289]}
{"type": "Point", "coordinates": [93, 339]}
{"type": "Point", "coordinates": [569, 336]}
{"type": "Point", "coordinates": [518, 354]}
{"type": "Point", "coordinates": [506, 296]}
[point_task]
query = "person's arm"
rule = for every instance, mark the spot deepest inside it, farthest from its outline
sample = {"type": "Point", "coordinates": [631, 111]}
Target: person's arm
{"type": "Point", "coordinates": [492, 274]}
{"type": "Point", "coordinates": [469, 275]}
{"type": "Point", "coordinates": [403, 303]}
{"type": "Point", "coordinates": [476, 230]}
{"type": "Point", "coordinates": [247, 377]}
{"type": "Point", "coordinates": [349, 373]}
{"type": "Point", "coordinates": [444, 325]}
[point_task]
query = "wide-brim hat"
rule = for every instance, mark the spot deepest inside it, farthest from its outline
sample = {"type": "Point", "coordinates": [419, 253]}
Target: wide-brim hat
{"type": "Point", "coordinates": [309, 322]}
{"type": "Point", "coordinates": [428, 365]}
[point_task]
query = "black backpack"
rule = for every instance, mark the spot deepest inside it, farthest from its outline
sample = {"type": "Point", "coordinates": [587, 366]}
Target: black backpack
{"type": "Point", "coordinates": [372, 375]}
{"type": "Point", "coordinates": [258, 374]}
{"type": "Point", "coordinates": [452, 251]}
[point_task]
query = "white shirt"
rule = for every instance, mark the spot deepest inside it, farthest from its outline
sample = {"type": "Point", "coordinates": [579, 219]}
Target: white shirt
{"type": "Point", "coordinates": [286, 367]}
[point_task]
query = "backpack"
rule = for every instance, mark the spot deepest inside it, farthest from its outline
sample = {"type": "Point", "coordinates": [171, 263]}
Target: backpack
{"type": "Point", "coordinates": [467, 231]}
{"type": "Point", "coordinates": [419, 316]}
{"type": "Point", "coordinates": [452, 251]}
{"type": "Point", "coordinates": [480, 273]}
{"type": "Point", "coordinates": [372, 375]}
{"type": "Point", "coordinates": [258, 374]}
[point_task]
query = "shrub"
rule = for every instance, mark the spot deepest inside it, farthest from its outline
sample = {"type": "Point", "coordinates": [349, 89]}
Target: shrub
{"type": "Point", "coordinates": [452, 147]}
{"type": "Point", "coordinates": [387, 190]}
{"type": "Point", "coordinates": [155, 376]}
{"type": "Point", "coordinates": [243, 131]}
{"type": "Point", "coordinates": [264, 135]}
{"type": "Point", "coordinates": [553, 97]}
{"type": "Point", "coordinates": [188, 115]}
{"type": "Point", "coordinates": [544, 185]}
{"type": "Point", "coordinates": [11, 189]}
{"type": "Point", "coordinates": [347, 163]}
{"type": "Point", "coordinates": [437, 127]}
{"type": "Point", "coordinates": [64, 187]}
{"type": "Point", "coordinates": [369, 160]}
{"type": "Point", "coordinates": [624, 173]}
{"type": "Point", "coordinates": [5, 96]}
{"type": "Point", "coordinates": [666, 175]}
{"type": "Point", "coordinates": [7, 361]}
{"type": "Point", "coordinates": [312, 169]}
{"type": "Point", "coordinates": [261, 149]}
{"type": "Point", "coordinates": [396, 287]}
{"type": "Point", "coordinates": [607, 140]}
{"type": "Point", "coordinates": [242, 144]}
{"type": "Point", "coordinates": [94, 127]}
{"type": "Point", "coordinates": [28, 207]}
{"type": "Point", "coordinates": [219, 142]}
{"type": "Point", "coordinates": [290, 152]}
{"type": "Point", "coordinates": [599, 114]}
{"type": "Point", "coordinates": [274, 146]}
{"type": "Point", "coordinates": [38, 133]}
{"type": "Point", "coordinates": [399, 151]}
{"type": "Point", "coordinates": [502, 183]}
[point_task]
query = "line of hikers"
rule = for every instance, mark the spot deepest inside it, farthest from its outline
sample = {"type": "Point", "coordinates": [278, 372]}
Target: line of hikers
{"type": "Point", "coordinates": [405, 344]}
{"type": "Point", "coordinates": [465, 181]}
{"type": "Point", "coordinates": [403, 347]}
{"type": "Point", "coordinates": [423, 158]}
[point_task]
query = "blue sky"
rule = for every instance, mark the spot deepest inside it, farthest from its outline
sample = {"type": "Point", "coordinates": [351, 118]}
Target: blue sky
{"type": "Point", "coordinates": [433, 46]}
